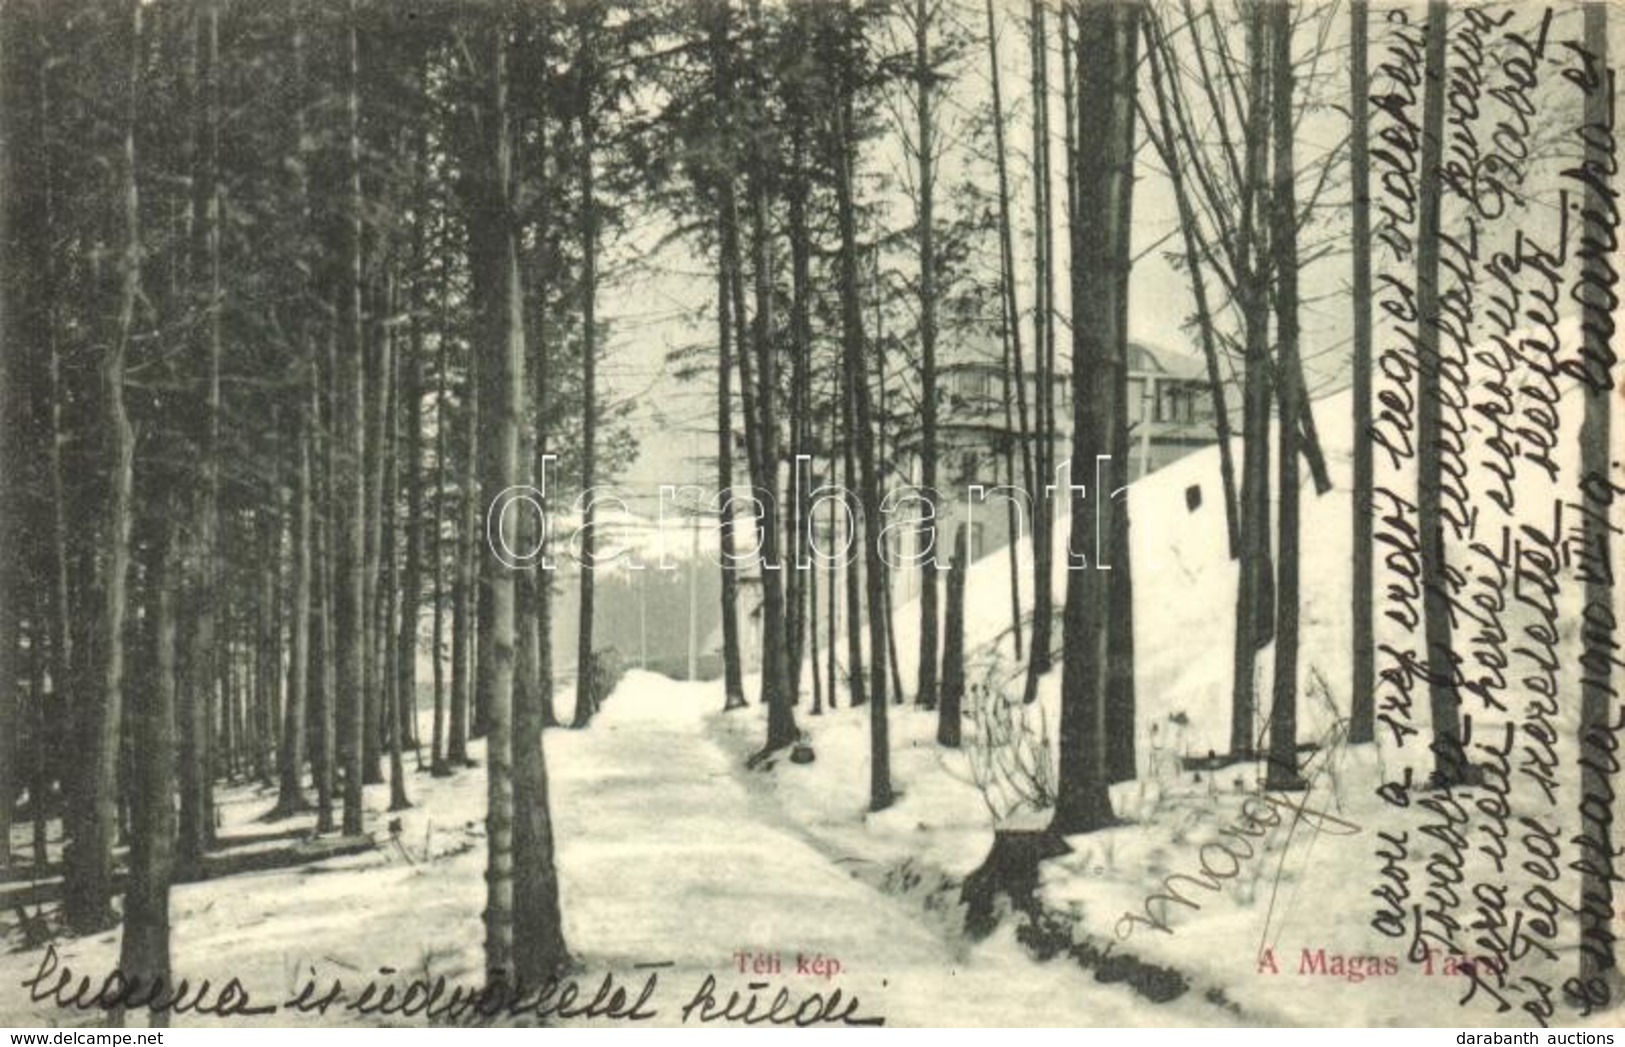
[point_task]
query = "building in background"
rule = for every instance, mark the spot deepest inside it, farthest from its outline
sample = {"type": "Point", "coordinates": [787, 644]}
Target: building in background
{"type": "Point", "coordinates": [1170, 407]}
{"type": "Point", "coordinates": [668, 619]}
{"type": "Point", "coordinates": [1170, 414]}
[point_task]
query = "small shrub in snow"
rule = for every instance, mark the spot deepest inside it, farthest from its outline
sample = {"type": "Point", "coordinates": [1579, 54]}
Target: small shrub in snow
{"type": "Point", "coordinates": [1009, 749]}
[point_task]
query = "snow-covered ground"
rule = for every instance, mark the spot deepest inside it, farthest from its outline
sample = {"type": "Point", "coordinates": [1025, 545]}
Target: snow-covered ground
{"type": "Point", "coordinates": [671, 852]}
{"type": "Point", "coordinates": [1287, 936]}
{"type": "Point", "coordinates": [1303, 889]}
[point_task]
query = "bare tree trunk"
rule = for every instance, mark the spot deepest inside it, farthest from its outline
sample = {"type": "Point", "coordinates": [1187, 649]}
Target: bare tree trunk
{"type": "Point", "coordinates": [10, 590]}
{"type": "Point", "coordinates": [198, 759]}
{"type": "Point", "coordinates": [231, 709]}
{"type": "Point", "coordinates": [327, 745]}
{"type": "Point", "coordinates": [1010, 341]}
{"type": "Point", "coordinates": [523, 943]}
{"type": "Point", "coordinates": [144, 946]}
{"type": "Point", "coordinates": [1363, 645]}
{"type": "Point", "coordinates": [893, 662]}
{"type": "Point", "coordinates": [327, 750]}
{"type": "Point", "coordinates": [812, 621]}
{"type": "Point", "coordinates": [464, 606]}
{"type": "Point", "coordinates": [539, 949]}
{"type": "Point", "coordinates": [953, 649]}
{"type": "Point", "coordinates": [16, 189]}
{"type": "Point", "coordinates": [34, 191]}
{"type": "Point", "coordinates": [90, 873]}
{"type": "Point", "coordinates": [278, 643]}
{"type": "Point", "coordinates": [733, 285]}
{"type": "Point", "coordinates": [854, 564]}
{"type": "Point", "coordinates": [1120, 689]}
{"type": "Point", "coordinates": [39, 783]}
{"type": "Point", "coordinates": [65, 656]}
{"type": "Point", "coordinates": [291, 754]}
{"type": "Point", "coordinates": [1255, 588]}
{"type": "Point", "coordinates": [776, 690]}
{"type": "Point", "coordinates": [1309, 436]}
{"type": "Point", "coordinates": [351, 607]}
{"type": "Point", "coordinates": [830, 675]}
{"type": "Point", "coordinates": [394, 619]}
{"type": "Point", "coordinates": [411, 592]}
{"type": "Point", "coordinates": [267, 638]}
{"type": "Point", "coordinates": [1007, 266]}
{"type": "Point", "coordinates": [797, 521]}
{"type": "Point", "coordinates": [1120, 692]}
{"type": "Point", "coordinates": [1041, 657]}
{"type": "Point", "coordinates": [732, 675]}
{"type": "Point", "coordinates": [1069, 112]}
{"type": "Point", "coordinates": [1598, 766]}
{"type": "Point", "coordinates": [925, 220]}
{"type": "Point", "coordinates": [883, 454]}
{"type": "Point", "coordinates": [224, 668]}
{"type": "Point", "coordinates": [538, 938]}
{"type": "Point", "coordinates": [37, 774]}
{"type": "Point", "coordinates": [291, 794]}
{"type": "Point", "coordinates": [380, 364]}
{"type": "Point", "coordinates": [437, 545]}
{"type": "Point", "coordinates": [1283, 773]}
{"type": "Point", "coordinates": [530, 658]}
{"type": "Point", "coordinates": [1107, 39]}
{"type": "Point", "coordinates": [586, 698]}
{"type": "Point", "coordinates": [479, 597]}
{"type": "Point", "coordinates": [1444, 702]}
{"type": "Point", "coordinates": [855, 351]}
{"type": "Point", "coordinates": [540, 582]}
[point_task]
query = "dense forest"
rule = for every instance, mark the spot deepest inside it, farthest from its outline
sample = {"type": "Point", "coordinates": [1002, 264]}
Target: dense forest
{"type": "Point", "coordinates": [294, 292]}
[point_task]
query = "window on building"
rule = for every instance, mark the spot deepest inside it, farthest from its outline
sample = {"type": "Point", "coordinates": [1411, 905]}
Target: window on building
{"type": "Point", "coordinates": [1202, 405]}
{"type": "Point", "coordinates": [1175, 404]}
{"type": "Point", "coordinates": [974, 384]}
{"type": "Point", "coordinates": [1136, 399]}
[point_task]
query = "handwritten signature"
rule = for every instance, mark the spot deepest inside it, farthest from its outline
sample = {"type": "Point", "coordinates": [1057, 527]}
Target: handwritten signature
{"type": "Point", "coordinates": [438, 1002]}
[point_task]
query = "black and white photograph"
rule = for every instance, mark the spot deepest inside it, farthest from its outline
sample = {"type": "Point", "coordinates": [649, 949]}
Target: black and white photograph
{"type": "Point", "coordinates": [811, 513]}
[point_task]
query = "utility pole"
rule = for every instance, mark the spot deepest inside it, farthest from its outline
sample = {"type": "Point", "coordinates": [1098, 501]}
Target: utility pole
{"type": "Point", "coordinates": [1148, 410]}
{"type": "Point", "coordinates": [693, 597]}
{"type": "Point", "coordinates": [694, 565]}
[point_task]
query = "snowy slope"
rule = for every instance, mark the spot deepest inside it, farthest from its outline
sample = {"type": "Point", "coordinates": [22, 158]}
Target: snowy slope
{"type": "Point", "coordinates": [1288, 935]}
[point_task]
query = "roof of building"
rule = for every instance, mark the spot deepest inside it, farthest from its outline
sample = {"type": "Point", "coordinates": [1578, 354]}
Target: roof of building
{"type": "Point", "coordinates": [1142, 359]}
{"type": "Point", "coordinates": [1162, 360]}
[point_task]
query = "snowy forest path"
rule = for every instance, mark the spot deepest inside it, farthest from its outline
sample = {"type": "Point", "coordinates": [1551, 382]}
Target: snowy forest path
{"type": "Point", "coordinates": [662, 848]}
{"type": "Point", "coordinates": [669, 852]}
{"type": "Point", "coordinates": [665, 843]}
